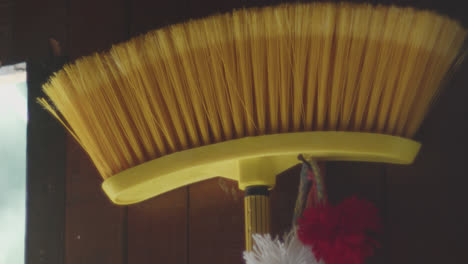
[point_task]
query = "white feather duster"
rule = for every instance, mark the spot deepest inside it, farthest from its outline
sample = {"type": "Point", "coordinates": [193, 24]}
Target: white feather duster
{"type": "Point", "coordinates": [288, 251]}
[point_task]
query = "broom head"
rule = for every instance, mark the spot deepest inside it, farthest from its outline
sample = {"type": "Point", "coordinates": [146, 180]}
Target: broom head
{"type": "Point", "coordinates": [239, 95]}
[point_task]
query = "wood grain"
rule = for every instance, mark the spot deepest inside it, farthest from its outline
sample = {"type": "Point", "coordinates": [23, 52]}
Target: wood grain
{"type": "Point", "coordinates": [157, 229]}
{"type": "Point", "coordinates": [95, 228]}
{"type": "Point", "coordinates": [216, 222]}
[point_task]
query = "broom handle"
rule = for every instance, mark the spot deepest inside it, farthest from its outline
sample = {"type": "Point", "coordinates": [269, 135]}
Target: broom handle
{"type": "Point", "coordinates": [257, 213]}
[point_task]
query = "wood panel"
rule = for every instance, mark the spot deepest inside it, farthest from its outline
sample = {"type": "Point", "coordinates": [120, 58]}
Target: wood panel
{"type": "Point", "coordinates": [96, 229]}
{"type": "Point", "coordinates": [158, 227]}
{"type": "Point", "coordinates": [427, 201]}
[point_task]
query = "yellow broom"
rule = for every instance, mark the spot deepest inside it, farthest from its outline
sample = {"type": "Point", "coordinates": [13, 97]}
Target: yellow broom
{"type": "Point", "coordinates": [239, 95]}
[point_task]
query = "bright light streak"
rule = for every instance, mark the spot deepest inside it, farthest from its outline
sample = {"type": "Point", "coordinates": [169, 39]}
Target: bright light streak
{"type": "Point", "coordinates": [13, 121]}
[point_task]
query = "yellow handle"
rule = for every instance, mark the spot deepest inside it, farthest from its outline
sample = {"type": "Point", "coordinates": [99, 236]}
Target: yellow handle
{"type": "Point", "coordinates": [257, 213]}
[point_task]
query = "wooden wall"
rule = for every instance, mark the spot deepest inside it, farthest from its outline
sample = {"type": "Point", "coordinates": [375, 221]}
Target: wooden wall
{"type": "Point", "coordinates": [423, 205]}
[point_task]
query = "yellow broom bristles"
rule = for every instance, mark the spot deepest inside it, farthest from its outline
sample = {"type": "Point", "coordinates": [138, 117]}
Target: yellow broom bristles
{"type": "Point", "coordinates": [289, 68]}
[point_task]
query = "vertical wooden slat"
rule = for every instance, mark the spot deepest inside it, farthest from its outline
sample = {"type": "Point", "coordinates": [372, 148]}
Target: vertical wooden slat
{"type": "Point", "coordinates": [45, 217]}
{"type": "Point", "coordinates": [157, 228]}
{"type": "Point", "coordinates": [283, 199]}
{"type": "Point", "coordinates": [96, 228]}
{"type": "Point", "coordinates": [428, 200]}
{"type": "Point", "coordinates": [216, 233]}
{"type": "Point", "coordinates": [30, 26]}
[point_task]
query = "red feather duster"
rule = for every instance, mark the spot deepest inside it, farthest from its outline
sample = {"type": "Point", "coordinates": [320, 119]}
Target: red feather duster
{"type": "Point", "coordinates": [340, 234]}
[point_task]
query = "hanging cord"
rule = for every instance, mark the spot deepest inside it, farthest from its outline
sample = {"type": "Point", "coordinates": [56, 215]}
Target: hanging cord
{"type": "Point", "coordinates": [311, 188]}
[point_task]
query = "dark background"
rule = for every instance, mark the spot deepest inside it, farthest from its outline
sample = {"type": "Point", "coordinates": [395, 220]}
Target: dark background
{"type": "Point", "coordinates": [424, 206]}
